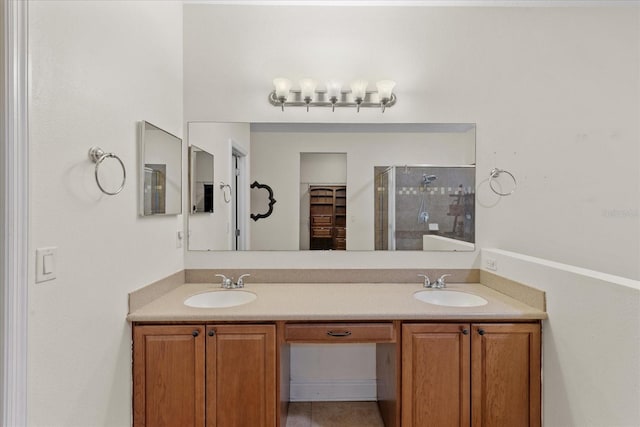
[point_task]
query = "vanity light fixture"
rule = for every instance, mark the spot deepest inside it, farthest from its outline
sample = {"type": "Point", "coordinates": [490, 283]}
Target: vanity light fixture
{"type": "Point", "coordinates": [359, 91]}
{"type": "Point", "coordinates": [281, 92]}
{"type": "Point", "coordinates": [308, 95]}
{"type": "Point", "coordinates": [385, 91]}
{"type": "Point", "coordinates": [334, 92]}
{"type": "Point", "coordinates": [307, 90]}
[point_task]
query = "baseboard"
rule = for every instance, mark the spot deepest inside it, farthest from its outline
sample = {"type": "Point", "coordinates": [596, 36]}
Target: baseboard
{"type": "Point", "coordinates": [333, 390]}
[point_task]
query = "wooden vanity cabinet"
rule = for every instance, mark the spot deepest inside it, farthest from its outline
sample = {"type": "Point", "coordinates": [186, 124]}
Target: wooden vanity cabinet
{"type": "Point", "coordinates": [505, 375]}
{"type": "Point", "coordinates": [168, 375]}
{"type": "Point", "coordinates": [471, 374]}
{"type": "Point", "coordinates": [241, 376]}
{"type": "Point", "coordinates": [197, 375]}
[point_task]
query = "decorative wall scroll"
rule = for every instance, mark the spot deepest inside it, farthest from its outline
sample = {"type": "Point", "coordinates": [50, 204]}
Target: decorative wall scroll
{"type": "Point", "coordinates": [272, 201]}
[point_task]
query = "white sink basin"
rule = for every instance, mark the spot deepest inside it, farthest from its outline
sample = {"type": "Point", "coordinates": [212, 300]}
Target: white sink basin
{"type": "Point", "coordinates": [449, 298]}
{"type": "Point", "coordinates": [220, 299]}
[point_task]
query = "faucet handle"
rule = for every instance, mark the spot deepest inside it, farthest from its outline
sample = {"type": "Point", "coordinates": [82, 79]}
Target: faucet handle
{"type": "Point", "coordinates": [440, 283]}
{"type": "Point", "coordinates": [226, 282]}
{"type": "Point", "coordinates": [240, 282]}
{"type": "Point", "coordinates": [427, 282]}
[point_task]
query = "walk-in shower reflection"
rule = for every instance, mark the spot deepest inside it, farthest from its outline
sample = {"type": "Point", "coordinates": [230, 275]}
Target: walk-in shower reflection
{"type": "Point", "coordinates": [424, 207]}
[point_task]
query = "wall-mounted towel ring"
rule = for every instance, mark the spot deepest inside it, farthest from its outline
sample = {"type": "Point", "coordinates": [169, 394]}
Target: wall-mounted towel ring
{"type": "Point", "coordinates": [224, 187]}
{"type": "Point", "coordinates": [495, 173]}
{"type": "Point", "coordinates": [97, 155]}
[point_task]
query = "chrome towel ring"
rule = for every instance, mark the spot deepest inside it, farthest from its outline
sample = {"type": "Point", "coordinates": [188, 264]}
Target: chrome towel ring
{"type": "Point", "coordinates": [495, 173]}
{"type": "Point", "coordinates": [97, 156]}
{"type": "Point", "coordinates": [224, 187]}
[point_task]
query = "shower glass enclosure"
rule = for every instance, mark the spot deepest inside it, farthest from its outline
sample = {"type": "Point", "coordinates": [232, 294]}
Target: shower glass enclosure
{"type": "Point", "coordinates": [424, 207]}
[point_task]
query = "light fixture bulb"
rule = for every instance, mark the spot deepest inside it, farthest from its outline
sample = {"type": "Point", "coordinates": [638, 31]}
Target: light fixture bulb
{"type": "Point", "coordinates": [282, 88]}
{"type": "Point", "coordinates": [359, 91]}
{"type": "Point", "coordinates": [385, 89]}
{"type": "Point", "coordinates": [334, 92]}
{"type": "Point", "coordinates": [334, 88]}
{"type": "Point", "coordinates": [308, 90]}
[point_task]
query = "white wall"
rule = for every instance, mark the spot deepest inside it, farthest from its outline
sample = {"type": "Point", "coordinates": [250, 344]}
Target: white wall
{"type": "Point", "coordinates": [97, 69]}
{"type": "Point", "coordinates": [591, 341]}
{"type": "Point", "coordinates": [210, 232]}
{"type": "Point", "coordinates": [554, 92]}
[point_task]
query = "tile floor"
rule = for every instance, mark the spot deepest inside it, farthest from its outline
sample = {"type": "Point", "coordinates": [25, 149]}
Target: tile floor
{"type": "Point", "coordinates": [334, 414]}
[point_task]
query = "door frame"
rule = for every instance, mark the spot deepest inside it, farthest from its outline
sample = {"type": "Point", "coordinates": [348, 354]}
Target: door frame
{"type": "Point", "coordinates": [240, 211]}
{"type": "Point", "coordinates": [14, 214]}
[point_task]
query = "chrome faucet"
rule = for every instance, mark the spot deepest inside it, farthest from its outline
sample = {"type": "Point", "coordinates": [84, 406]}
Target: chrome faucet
{"type": "Point", "coordinates": [427, 282]}
{"type": "Point", "coordinates": [440, 283]}
{"type": "Point", "coordinates": [240, 282]}
{"type": "Point", "coordinates": [228, 283]}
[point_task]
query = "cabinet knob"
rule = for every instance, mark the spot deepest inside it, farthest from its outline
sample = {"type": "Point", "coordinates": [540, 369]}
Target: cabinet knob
{"type": "Point", "coordinates": [465, 331]}
{"type": "Point", "coordinates": [212, 333]}
{"type": "Point", "coordinates": [195, 333]}
{"type": "Point", "coordinates": [481, 331]}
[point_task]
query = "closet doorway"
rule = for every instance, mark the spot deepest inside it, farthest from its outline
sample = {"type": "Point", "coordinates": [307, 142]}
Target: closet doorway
{"type": "Point", "coordinates": [323, 201]}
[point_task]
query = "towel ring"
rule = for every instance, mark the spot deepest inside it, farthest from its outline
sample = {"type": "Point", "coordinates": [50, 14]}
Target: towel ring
{"type": "Point", "coordinates": [97, 155]}
{"type": "Point", "coordinates": [495, 172]}
{"type": "Point", "coordinates": [224, 186]}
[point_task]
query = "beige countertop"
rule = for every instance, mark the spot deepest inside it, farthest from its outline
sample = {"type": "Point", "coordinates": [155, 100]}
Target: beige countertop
{"type": "Point", "coordinates": [333, 301]}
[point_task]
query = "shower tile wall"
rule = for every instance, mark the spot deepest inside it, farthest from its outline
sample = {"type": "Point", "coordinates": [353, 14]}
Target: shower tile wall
{"type": "Point", "coordinates": [438, 196]}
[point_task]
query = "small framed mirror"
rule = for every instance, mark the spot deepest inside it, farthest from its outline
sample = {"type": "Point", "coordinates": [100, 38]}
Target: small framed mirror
{"type": "Point", "coordinates": [200, 180]}
{"type": "Point", "coordinates": [160, 171]}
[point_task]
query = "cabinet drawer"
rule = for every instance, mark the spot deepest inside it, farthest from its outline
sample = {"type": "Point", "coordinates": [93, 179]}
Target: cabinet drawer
{"type": "Point", "coordinates": [322, 232]}
{"type": "Point", "coordinates": [341, 232]}
{"type": "Point", "coordinates": [340, 332]}
{"type": "Point", "coordinates": [321, 220]}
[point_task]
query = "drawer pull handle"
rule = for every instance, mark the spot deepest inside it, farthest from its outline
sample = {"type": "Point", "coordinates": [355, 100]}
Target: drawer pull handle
{"type": "Point", "coordinates": [338, 333]}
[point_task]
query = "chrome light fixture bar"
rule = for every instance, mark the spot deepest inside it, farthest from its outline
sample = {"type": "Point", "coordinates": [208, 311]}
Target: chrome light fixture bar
{"type": "Point", "coordinates": [333, 96]}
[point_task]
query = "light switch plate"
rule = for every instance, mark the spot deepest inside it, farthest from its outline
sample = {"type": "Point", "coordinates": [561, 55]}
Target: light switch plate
{"type": "Point", "coordinates": [46, 264]}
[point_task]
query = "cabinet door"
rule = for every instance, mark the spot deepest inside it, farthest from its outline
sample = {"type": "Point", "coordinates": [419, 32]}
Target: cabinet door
{"type": "Point", "coordinates": [505, 366]}
{"type": "Point", "coordinates": [241, 376]}
{"type": "Point", "coordinates": [435, 375]}
{"type": "Point", "coordinates": [168, 376]}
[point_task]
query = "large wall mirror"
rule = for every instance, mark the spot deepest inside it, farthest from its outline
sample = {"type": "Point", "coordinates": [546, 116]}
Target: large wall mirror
{"type": "Point", "coordinates": [356, 187]}
{"type": "Point", "coordinates": [160, 171]}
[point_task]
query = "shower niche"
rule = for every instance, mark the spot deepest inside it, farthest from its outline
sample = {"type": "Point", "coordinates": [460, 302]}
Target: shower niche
{"type": "Point", "coordinates": [424, 207]}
